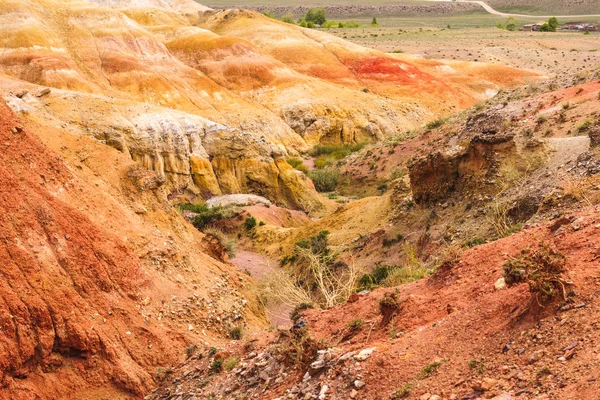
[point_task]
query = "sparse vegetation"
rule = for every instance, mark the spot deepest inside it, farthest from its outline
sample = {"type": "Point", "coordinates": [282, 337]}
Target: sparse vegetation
{"type": "Point", "coordinates": [403, 392]}
{"type": "Point", "coordinates": [191, 350]}
{"type": "Point", "coordinates": [162, 373]}
{"type": "Point", "coordinates": [356, 324]}
{"type": "Point", "coordinates": [429, 370]}
{"type": "Point", "coordinates": [228, 244]}
{"type": "Point", "coordinates": [436, 123]}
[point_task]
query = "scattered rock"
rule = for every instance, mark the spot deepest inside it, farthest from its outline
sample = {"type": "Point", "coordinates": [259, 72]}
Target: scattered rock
{"type": "Point", "coordinates": [364, 354]}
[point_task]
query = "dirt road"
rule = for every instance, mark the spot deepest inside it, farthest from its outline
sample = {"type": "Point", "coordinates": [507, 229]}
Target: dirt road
{"type": "Point", "coordinates": [495, 12]}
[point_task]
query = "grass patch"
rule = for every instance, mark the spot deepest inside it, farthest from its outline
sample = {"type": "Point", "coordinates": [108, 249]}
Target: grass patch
{"type": "Point", "coordinates": [337, 151]}
{"type": "Point", "coordinates": [436, 123]}
{"type": "Point", "coordinates": [325, 180]}
{"type": "Point", "coordinates": [297, 164]}
{"type": "Point", "coordinates": [230, 363]}
{"type": "Point", "coordinates": [430, 369]}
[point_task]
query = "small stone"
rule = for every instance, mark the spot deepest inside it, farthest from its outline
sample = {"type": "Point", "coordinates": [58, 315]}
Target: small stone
{"type": "Point", "coordinates": [353, 394]}
{"type": "Point", "coordinates": [536, 356]}
{"type": "Point", "coordinates": [426, 396]}
{"type": "Point", "coordinates": [500, 284]}
{"type": "Point", "coordinates": [435, 397]}
{"type": "Point", "coordinates": [503, 396]}
{"type": "Point", "coordinates": [359, 384]}
{"type": "Point", "coordinates": [323, 392]}
{"type": "Point", "coordinates": [576, 225]}
{"type": "Point", "coordinates": [364, 354]}
{"type": "Point", "coordinates": [43, 92]}
{"type": "Point", "coordinates": [488, 384]}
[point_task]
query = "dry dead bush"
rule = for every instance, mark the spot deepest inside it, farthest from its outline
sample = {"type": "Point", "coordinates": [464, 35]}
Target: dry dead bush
{"type": "Point", "coordinates": [498, 217]}
{"type": "Point", "coordinates": [542, 269]}
{"type": "Point", "coordinates": [313, 275]}
{"type": "Point", "coordinates": [298, 347]}
{"type": "Point", "coordinates": [576, 188]}
{"type": "Point", "coordinates": [280, 288]}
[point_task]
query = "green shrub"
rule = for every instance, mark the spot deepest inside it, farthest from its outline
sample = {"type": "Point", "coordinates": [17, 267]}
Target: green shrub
{"type": "Point", "coordinates": [296, 313]}
{"type": "Point", "coordinates": [249, 222]}
{"type": "Point", "coordinates": [297, 163]}
{"type": "Point", "coordinates": [236, 333]}
{"type": "Point", "coordinates": [317, 16]}
{"type": "Point", "coordinates": [403, 392]}
{"type": "Point", "coordinates": [288, 18]}
{"type": "Point", "coordinates": [473, 242]}
{"type": "Point", "coordinates": [585, 126]}
{"type": "Point", "coordinates": [374, 278]}
{"type": "Point", "coordinates": [206, 217]}
{"type": "Point", "coordinates": [216, 366]}
{"type": "Point", "coordinates": [325, 180]}
{"type": "Point", "coordinates": [429, 370]}
{"type": "Point", "coordinates": [436, 124]}
{"type": "Point", "coordinates": [387, 242]}
{"type": "Point", "coordinates": [356, 324]}
{"type": "Point", "coordinates": [323, 161]}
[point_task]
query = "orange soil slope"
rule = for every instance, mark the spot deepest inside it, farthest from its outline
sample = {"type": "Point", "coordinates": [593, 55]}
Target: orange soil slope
{"type": "Point", "coordinates": [80, 305]}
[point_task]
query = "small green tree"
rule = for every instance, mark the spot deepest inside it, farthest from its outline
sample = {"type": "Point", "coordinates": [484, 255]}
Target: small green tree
{"type": "Point", "coordinates": [511, 24]}
{"type": "Point", "coordinates": [317, 16]}
{"type": "Point", "coordinates": [288, 18]}
{"type": "Point", "coordinates": [374, 21]}
{"type": "Point", "coordinates": [553, 24]}
{"type": "Point", "coordinates": [269, 13]}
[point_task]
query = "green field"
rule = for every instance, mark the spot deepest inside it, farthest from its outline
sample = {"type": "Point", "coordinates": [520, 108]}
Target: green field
{"type": "Point", "coordinates": [534, 7]}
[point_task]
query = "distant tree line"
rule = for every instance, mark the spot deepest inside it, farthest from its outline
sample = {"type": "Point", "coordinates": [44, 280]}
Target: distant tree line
{"type": "Point", "coordinates": [315, 17]}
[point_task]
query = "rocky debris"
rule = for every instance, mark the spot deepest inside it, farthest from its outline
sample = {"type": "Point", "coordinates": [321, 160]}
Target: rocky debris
{"type": "Point", "coordinates": [587, 164]}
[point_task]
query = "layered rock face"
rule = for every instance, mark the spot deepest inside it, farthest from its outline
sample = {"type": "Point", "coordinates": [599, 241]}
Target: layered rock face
{"type": "Point", "coordinates": [215, 101]}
